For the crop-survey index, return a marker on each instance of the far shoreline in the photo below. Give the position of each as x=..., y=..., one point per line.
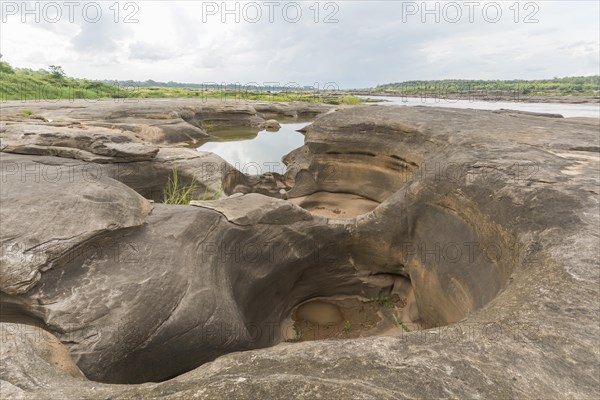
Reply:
x=490, y=98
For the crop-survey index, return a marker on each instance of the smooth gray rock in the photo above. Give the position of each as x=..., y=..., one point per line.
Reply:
x=291, y=109
x=50, y=208
x=73, y=141
x=33, y=359
x=254, y=209
x=163, y=122
x=492, y=216
x=149, y=178
x=272, y=125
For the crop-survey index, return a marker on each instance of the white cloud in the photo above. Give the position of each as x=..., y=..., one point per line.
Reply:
x=369, y=45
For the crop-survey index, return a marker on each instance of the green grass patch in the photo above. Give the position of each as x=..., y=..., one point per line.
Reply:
x=176, y=192
x=179, y=193
x=347, y=100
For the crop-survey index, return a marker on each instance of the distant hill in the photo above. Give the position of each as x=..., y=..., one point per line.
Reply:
x=206, y=85
x=28, y=84
x=568, y=86
x=53, y=84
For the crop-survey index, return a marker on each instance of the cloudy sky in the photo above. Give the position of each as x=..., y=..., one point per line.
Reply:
x=352, y=43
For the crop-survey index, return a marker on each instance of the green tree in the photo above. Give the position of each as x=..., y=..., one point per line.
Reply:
x=56, y=71
x=5, y=68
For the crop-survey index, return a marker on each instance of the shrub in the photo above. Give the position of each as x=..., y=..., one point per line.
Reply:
x=351, y=100
x=5, y=68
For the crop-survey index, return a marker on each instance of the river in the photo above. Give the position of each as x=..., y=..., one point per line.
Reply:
x=566, y=110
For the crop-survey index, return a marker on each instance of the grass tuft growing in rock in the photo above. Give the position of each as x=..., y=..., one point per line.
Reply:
x=176, y=192
x=212, y=196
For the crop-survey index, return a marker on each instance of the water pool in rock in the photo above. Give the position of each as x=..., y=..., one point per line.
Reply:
x=256, y=152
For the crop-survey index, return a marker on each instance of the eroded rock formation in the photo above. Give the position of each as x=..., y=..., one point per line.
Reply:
x=489, y=221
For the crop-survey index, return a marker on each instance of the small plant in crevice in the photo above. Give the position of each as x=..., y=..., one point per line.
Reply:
x=382, y=301
x=27, y=113
x=216, y=195
x=298, y=333
x=347, y=327
x=177, y=192
x=399, y=321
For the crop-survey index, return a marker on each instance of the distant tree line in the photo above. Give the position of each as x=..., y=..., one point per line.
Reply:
x=25, y=83
x=573, y=85
x=53, y=84
x=206, y=85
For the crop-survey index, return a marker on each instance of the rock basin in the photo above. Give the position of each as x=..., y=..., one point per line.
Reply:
x=487, y=221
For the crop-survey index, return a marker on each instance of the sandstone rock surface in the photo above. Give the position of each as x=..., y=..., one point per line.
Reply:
x=492, y=217
x=163, y=122
x=272, y=125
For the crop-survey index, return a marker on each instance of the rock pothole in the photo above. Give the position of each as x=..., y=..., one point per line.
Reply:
x=335, y=205
x=347, y=318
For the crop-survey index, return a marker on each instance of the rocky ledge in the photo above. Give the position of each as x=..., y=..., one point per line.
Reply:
x=91, y=126
x=479, y=228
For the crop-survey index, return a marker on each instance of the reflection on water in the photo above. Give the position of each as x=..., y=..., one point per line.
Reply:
x=256, y=152
x=566, y=110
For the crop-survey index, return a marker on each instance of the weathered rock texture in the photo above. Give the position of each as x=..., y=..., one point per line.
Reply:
x=133, y=139
x=44, y=219
x=126, y=121
x=492, y=216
